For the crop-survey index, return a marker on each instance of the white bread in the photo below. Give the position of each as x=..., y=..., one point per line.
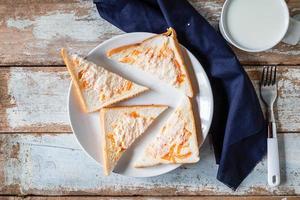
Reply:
x=176, y=142
x=159, y=55
x=121, y=126
x=97, y=87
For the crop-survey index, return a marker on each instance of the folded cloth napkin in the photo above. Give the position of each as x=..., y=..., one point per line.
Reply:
x=238, y=128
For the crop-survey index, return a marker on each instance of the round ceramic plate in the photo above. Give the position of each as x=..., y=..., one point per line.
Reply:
x=86, y=126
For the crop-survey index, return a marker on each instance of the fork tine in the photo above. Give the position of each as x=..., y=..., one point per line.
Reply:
x=266, y=76
x=274, y=75
x=269, y=75
x=262, y=81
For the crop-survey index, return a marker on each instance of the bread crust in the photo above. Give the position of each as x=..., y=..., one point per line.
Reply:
x=109, y=103
x=192, y=118
x=173, y=35
x=119, y=49
x=70, y=68
x=103, y=141
x=134, y=106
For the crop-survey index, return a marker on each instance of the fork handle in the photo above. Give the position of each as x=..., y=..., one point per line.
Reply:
x=273, y=156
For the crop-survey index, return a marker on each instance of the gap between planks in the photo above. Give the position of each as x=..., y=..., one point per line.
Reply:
x=150, y=197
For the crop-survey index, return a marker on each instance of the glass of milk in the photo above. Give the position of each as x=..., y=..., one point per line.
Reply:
x=254, y=25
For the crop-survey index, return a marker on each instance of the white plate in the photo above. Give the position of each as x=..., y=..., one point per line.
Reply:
x=86, y=127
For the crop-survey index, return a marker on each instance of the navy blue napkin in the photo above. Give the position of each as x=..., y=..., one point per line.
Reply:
x=238, y=128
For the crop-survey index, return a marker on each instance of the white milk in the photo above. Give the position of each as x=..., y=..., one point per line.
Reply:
x=256, y=24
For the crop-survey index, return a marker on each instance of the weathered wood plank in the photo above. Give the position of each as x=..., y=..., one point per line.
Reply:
x=154, y=198
x=50, y=164
x=287, y=104
x=35, y=99
x=33, y=31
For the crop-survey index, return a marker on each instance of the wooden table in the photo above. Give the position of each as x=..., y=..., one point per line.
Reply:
x=39, y=155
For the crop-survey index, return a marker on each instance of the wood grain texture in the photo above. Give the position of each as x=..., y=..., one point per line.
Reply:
x=154, y=198
x=33, y=31
x=35, y=99
x=33, y=164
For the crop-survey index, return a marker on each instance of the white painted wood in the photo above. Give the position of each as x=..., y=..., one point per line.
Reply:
x=36, y=99
x=41, y=97
x=287, y=104
x=152, y=198
x=55, y=164
x=32, y=33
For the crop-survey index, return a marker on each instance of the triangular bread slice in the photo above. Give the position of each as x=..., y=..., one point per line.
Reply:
x=97, y=87
x=176, y=142
x=159, y=55
x=121, y=126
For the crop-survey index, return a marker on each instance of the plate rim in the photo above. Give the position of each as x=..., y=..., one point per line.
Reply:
x=209, y=122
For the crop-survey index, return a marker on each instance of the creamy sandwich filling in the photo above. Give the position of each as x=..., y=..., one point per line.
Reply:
x=125, y=130
x=152, y=54
x=98, y=80
x=172, y=144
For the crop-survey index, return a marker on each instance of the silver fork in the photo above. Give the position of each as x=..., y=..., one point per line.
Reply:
x=268, y=91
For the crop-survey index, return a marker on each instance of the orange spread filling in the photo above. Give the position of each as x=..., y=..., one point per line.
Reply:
x=136, y=52
x=164, y=51
x=187, y=134
x=134, y=114
x=127, y=59
x=151, y=54
x=147, y=50
x=80, y=74
x=102, y=96
x=122, y=148
x=118, y=149
x=127, y=86
x=172, y=155
x=180, y=77
x=179, y=148
x=184, y=156
x=84, y=84
x=76, y=62
x=110, y=136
